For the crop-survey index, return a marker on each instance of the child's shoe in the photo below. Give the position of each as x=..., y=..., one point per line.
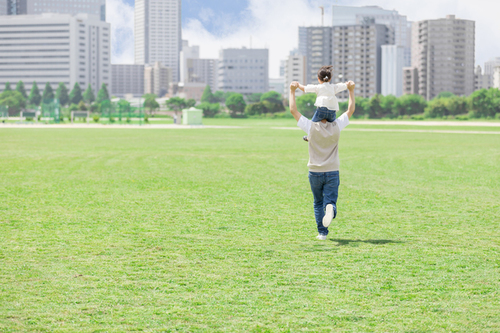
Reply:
x=305, y=138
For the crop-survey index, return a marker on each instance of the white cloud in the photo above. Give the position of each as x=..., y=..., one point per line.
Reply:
x=121, y=18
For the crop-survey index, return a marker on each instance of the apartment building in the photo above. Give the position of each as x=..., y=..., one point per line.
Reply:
x=410, y=81
x=357, y=56
x=315, y=43
x=157, y=79
x=295, y=70
x=244, y=71
x=127, y=80
x=55, y=48
x=445, y=56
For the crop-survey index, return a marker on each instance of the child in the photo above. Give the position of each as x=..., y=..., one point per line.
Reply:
x=326, y=102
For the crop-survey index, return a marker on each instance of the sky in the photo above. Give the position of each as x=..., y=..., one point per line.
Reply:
x=273, y=24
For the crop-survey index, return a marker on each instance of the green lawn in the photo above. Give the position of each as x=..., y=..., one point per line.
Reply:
x=212, y=230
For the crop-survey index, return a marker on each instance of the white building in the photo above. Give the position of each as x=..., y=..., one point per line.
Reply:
x=392, y=70
x=127, y=80
x=349, y=15
x=245, y=71
x=55, y=48
x=157, y=79
x=157, y=33
x=295, y=70
x=73, y=7
x=482, y=81
x=489, y=66
x=187, y=52
x=496, y=77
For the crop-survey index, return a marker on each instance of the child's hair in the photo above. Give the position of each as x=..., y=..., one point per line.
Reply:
x=325, y=73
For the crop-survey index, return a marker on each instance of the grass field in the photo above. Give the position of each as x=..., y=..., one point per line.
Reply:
x=212, y=230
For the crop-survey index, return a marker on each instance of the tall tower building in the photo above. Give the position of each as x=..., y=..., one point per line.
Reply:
x=55, y=48
x=158, y=35
x=445, y=56
x=73, y=7
x=315, y=43
x=295, y=70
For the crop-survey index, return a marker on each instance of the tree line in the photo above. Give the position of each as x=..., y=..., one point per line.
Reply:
x=240, y=106
x=484, y=103
x=18, y=99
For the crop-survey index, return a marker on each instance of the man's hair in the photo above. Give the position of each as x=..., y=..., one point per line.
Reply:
x=325, y=73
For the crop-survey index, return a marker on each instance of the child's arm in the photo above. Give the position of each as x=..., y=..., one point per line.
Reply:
x=352, y=101
x=340, y=87
x=301, y=87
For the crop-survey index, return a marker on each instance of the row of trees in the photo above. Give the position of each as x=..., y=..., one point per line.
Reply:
x=18, y=98
x=238, y=105
x=483, y=103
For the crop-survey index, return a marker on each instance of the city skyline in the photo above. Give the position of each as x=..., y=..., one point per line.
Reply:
x=214, y=25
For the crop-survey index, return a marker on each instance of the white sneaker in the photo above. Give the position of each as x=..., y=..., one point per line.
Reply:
x=321, y=237
x=327, y=219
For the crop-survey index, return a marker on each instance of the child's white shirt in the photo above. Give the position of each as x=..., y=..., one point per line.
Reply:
x=326, y=94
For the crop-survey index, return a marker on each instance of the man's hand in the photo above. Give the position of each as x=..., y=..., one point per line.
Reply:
x=351, y=85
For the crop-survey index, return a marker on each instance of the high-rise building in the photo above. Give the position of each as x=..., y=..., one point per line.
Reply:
x=244, y=71
x=357, y=56
x=482, y=81
x=445, y=56
x=392, y=70
x=127, y=79
x=295, y=70
x=157, y=33
x=55, y=48
x=490, y=65
x=410, y=81
x=350, y=15
x=157, y=79
x=73, y=7
x=315, y=43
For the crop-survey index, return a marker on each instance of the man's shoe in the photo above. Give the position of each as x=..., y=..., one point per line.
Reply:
x=327, y=219
x=321, y=237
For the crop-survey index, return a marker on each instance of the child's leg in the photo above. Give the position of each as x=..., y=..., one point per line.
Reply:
x=331, y=115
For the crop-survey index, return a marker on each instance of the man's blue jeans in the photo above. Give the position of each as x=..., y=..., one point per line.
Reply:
x=325, y=189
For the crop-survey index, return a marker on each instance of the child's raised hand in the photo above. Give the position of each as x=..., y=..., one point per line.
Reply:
x=294, y=85
x=351, y=85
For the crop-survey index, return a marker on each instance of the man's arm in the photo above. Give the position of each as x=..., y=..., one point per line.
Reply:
x=293, y=106
x=352, y=101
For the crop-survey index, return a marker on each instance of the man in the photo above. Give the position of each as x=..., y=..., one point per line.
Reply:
x=324, y=162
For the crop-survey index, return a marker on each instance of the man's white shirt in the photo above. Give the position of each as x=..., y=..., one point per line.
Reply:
x=305, y=124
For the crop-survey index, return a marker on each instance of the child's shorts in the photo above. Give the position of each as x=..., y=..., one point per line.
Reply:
x=324, y=113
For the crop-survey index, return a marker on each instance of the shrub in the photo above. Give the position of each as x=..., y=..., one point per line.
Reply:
x=111, y=119
x=146, y=119
x=255, y=109
x=417, y=117
x=96, y=118
x=128, y=120
x=209, y=109
x=29, y=119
